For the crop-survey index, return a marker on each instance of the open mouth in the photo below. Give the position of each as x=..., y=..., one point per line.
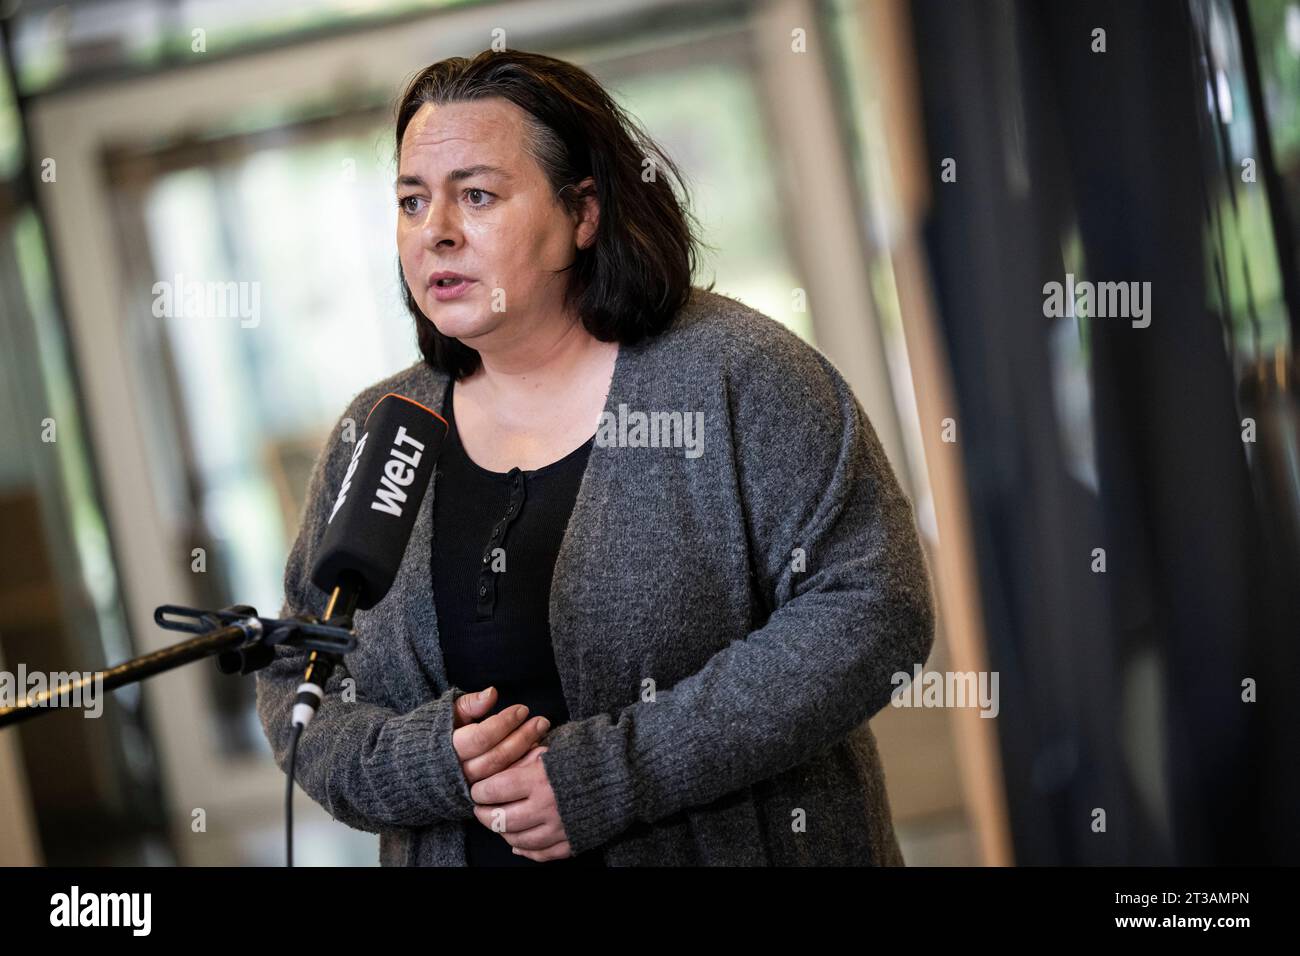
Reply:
x=447, y=283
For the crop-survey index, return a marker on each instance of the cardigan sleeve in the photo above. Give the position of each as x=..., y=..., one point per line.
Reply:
x=369, y=766
x=851, y=607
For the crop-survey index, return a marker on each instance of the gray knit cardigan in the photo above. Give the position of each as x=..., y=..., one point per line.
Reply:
x=725, y=621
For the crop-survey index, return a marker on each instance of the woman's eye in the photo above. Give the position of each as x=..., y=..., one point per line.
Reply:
x=478, y=198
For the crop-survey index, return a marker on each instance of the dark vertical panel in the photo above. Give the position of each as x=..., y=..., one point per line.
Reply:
x=1046, y=132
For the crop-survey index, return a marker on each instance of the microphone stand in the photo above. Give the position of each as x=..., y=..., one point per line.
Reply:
x=242, y=641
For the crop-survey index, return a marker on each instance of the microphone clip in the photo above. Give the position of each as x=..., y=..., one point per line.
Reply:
x=262, y=634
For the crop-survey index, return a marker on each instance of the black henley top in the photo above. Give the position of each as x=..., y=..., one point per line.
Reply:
x=495, y=541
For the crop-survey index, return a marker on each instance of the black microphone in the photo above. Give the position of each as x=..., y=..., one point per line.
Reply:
x=370, y=522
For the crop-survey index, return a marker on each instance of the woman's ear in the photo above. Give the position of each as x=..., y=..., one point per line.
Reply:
x=588, y=219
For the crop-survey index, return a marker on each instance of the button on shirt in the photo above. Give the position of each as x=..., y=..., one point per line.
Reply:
x=495, y=541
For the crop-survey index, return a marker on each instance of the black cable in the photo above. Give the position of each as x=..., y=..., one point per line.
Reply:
x=288, y=795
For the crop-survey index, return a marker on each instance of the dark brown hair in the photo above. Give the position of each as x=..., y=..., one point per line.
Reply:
x=631, y=281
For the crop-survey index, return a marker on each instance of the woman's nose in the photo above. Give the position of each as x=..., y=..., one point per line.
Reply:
x=440, y=225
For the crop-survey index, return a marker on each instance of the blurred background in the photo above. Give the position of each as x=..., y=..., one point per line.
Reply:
x=1111, y=512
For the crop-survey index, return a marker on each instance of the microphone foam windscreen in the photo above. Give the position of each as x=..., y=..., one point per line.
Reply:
x=371, y=519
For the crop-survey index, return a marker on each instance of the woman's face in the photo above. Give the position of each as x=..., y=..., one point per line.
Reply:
x=471, y=200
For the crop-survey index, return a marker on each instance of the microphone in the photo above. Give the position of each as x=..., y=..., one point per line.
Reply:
x=370, y=523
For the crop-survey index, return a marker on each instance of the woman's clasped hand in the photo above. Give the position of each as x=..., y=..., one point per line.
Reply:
x=501, y=760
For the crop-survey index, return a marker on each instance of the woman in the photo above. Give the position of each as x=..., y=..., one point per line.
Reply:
x=662, y=528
